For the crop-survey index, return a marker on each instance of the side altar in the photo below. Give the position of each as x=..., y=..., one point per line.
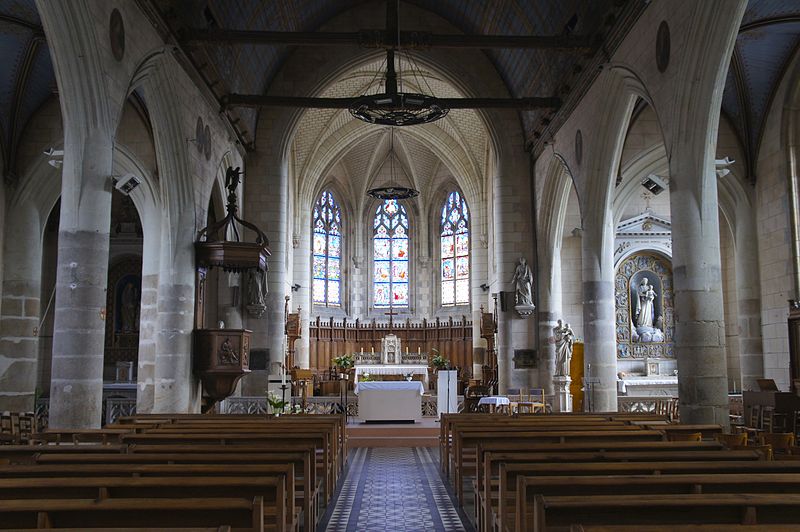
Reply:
x=392, y=361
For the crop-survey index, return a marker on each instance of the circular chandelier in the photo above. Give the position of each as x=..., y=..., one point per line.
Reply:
x=395, y=193
x=393, y=108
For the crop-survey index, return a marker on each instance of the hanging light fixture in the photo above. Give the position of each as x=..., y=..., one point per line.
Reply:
x=395, y=192
x=392, y=107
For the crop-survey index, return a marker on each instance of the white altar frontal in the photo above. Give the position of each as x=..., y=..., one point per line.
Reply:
x=389, y=401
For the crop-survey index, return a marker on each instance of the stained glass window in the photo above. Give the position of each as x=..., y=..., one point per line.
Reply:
x=326, y=271
x=390, y=254
x=455, y=251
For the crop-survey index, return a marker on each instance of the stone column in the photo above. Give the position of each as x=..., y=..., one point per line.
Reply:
x=549, y=312
x=303, y=296
x=148, y=325
x=599, y=325
x=175, y=387
x=76, y=388
x=20, y=311
x=699, y=312
x=267, y=171
x=748, y=285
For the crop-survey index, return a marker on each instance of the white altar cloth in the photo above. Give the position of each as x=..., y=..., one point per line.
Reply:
x=495, y=400
x=392, y=369
x=656, y=385
x=389, y=401
x=390, y=386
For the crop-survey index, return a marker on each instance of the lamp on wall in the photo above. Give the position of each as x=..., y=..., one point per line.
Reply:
x=295, y=287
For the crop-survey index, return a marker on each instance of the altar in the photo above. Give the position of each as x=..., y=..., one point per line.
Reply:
x=389, y=401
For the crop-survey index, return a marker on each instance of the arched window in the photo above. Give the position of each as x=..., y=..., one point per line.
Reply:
x=455, y=251
x=390, y=254
x=327, y=251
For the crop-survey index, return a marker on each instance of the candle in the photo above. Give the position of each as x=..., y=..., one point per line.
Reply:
x=372, y=350
x=406, y=349
x=362, y=350
x=419, y=350
x=283, y=379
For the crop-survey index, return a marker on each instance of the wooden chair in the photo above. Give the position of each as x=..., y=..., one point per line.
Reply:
x=679, y=436
x=781, y=442
x=533, y=402
x=732, y=440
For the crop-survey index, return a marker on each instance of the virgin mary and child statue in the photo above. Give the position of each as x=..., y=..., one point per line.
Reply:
x=644, y=331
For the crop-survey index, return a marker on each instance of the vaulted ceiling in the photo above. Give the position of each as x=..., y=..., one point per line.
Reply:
x=26, y=73
x=768, y=39
x=250, y=69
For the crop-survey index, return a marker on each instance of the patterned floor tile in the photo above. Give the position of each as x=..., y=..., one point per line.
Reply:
x=393, y=489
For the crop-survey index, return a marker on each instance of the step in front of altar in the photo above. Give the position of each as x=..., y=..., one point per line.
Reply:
x=392, y=435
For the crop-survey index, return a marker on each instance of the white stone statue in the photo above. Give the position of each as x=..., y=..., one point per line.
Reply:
x=523, y=280
x=564, y=338
x=644, y=306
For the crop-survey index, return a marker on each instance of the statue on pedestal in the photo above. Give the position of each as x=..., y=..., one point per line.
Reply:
x=523, y=283
x=564, y=338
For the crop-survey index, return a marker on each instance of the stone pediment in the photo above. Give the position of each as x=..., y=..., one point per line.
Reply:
x=646, y=224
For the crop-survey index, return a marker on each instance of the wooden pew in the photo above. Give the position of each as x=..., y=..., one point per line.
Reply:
x=577, y=486
x=517, y=451
x=498, y=496
x=559, y=512
x=239, y=513
x=457, y=430
x=266, y=439
x=200, y=471
x=271, y=489
x=472, y=439
x=307, y=489
x=516, y=473
x=683, y=528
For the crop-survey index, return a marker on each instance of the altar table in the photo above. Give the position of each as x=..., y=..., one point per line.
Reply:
x=390, y=401
x=392, y=369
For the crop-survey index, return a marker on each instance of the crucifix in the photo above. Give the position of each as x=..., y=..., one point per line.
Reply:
x=391, y=313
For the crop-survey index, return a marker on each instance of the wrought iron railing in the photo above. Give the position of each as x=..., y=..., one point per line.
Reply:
x=667, y=406
x=315, y=405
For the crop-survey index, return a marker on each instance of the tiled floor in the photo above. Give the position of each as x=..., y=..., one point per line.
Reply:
x=393, y=489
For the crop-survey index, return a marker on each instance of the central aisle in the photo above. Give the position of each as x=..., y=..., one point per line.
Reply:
x=394, y=489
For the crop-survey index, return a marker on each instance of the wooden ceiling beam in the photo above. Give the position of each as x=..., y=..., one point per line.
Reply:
x=253, y=100
x=383, y=39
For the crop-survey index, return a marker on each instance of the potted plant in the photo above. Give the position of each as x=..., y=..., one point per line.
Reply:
x=344, y=362
x=438, y=361
x=276, y=404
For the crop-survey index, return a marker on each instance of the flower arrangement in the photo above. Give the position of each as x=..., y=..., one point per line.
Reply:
x=276, y=404
x=344, y=361
x=365, y=377
x=439, y=361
